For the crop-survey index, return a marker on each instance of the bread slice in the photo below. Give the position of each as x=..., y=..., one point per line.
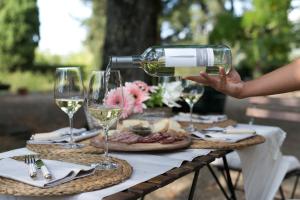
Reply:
x=174, y=125
x=160, y=126
x=135, y=122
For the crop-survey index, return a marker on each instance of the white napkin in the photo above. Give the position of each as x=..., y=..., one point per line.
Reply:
x=230, y=134
x=62, y=135
x=207, y=119
x=230, y=130
x=61, y=172
x=56, y=134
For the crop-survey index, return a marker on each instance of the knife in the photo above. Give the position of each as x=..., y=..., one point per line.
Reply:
x=230, y=131
x=41, y=165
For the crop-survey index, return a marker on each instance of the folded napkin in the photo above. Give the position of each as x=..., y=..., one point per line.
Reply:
x=230, y=135
x=56, y=134
x=62, y=135
x=229, y=130
x=208, y=119
x=61, y=172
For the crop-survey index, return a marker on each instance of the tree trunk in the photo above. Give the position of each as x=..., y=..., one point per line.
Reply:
x=131, y=27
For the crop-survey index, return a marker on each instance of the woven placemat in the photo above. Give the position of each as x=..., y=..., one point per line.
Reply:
x=57, y=149
x=222, y=124
x=203, y=144
x=100, y=179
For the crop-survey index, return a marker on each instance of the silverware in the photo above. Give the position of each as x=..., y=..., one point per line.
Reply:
x=41, y=165
x=214, y=130
x=30, y=161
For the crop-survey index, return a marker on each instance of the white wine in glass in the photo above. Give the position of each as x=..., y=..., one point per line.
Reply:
x=106, y=116
x=105, y=103
x=192, y=92
x=69, y=96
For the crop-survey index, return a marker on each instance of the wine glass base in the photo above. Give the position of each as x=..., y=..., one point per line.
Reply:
x=73, y=146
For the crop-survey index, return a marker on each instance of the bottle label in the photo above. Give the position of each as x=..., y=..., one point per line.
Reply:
x=189, y=57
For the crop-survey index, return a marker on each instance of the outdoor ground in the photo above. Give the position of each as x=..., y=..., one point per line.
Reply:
x=22, y=115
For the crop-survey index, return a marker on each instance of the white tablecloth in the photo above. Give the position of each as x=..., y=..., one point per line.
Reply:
x=145, y=167
x=263, y=166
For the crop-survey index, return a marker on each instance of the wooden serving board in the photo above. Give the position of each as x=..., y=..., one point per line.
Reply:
x=118, y=146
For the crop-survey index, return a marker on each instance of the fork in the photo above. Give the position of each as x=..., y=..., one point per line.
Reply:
x=30, y=161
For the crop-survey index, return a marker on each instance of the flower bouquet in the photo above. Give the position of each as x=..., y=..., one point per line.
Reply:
x=139, y=96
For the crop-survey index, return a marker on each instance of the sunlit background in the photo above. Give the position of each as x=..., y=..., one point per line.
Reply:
x=72, y=32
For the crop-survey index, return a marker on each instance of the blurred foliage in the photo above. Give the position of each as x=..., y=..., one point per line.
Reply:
x=156, y=98
x=19, y=35
x=48, y=62
x=29, y=80
x=259, y=33
x=96, y=27
x=260, y=37
x=264, y=34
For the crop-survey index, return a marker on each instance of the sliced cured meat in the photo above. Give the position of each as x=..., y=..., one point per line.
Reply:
x=129, y=137
x=168, y=140
x=124, y=137
x=154, y=137
x=131, y=140
x=119, y=136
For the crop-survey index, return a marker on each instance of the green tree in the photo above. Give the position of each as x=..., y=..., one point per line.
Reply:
x=263, y=34
x=96, y=27
x=19, y=33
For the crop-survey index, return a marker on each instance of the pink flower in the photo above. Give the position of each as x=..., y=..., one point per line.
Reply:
x=125, y=101
x=139, y=96
x=142, y=85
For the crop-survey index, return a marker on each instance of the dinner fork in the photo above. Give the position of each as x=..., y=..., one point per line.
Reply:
x=30, y=161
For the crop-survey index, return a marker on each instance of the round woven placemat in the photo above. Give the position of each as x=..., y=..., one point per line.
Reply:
x=100, y=179
x=203, y=144
x=57, y=149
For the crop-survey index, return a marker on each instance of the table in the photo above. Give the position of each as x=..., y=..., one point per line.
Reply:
x=140, y=190
x=150, y=184
x=172, y=170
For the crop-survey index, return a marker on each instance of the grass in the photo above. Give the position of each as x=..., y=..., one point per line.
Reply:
x=33, y=82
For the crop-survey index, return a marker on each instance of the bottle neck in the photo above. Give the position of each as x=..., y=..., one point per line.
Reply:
x=125, y=62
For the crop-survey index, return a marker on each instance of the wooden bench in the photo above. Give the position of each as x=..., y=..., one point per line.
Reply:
x=280, y=108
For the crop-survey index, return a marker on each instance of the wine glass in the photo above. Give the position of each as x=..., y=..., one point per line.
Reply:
x=105, y=103
x=69, y=96
x=191, y=94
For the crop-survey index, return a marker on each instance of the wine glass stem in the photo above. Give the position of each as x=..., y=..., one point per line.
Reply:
x=106, y=144
x=71, y=129
x=191, y=116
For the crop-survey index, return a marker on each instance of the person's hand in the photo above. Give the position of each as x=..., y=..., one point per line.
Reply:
x=230, y=84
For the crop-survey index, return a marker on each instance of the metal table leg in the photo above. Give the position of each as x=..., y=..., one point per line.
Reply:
x=218, y=182
x=195, y=179
x=229, y=182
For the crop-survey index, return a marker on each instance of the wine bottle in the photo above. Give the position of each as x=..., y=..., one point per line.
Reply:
x=178, y=60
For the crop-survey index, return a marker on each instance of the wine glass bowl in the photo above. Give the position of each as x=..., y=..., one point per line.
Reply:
x=105, y=103
x=191, y=94
x=69, y=96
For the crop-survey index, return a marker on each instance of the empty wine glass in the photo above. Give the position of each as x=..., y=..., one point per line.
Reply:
x=105, y=103
x=69, y=96
x=191, y=94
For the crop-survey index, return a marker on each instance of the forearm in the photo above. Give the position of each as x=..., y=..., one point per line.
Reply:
x=284, y=79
